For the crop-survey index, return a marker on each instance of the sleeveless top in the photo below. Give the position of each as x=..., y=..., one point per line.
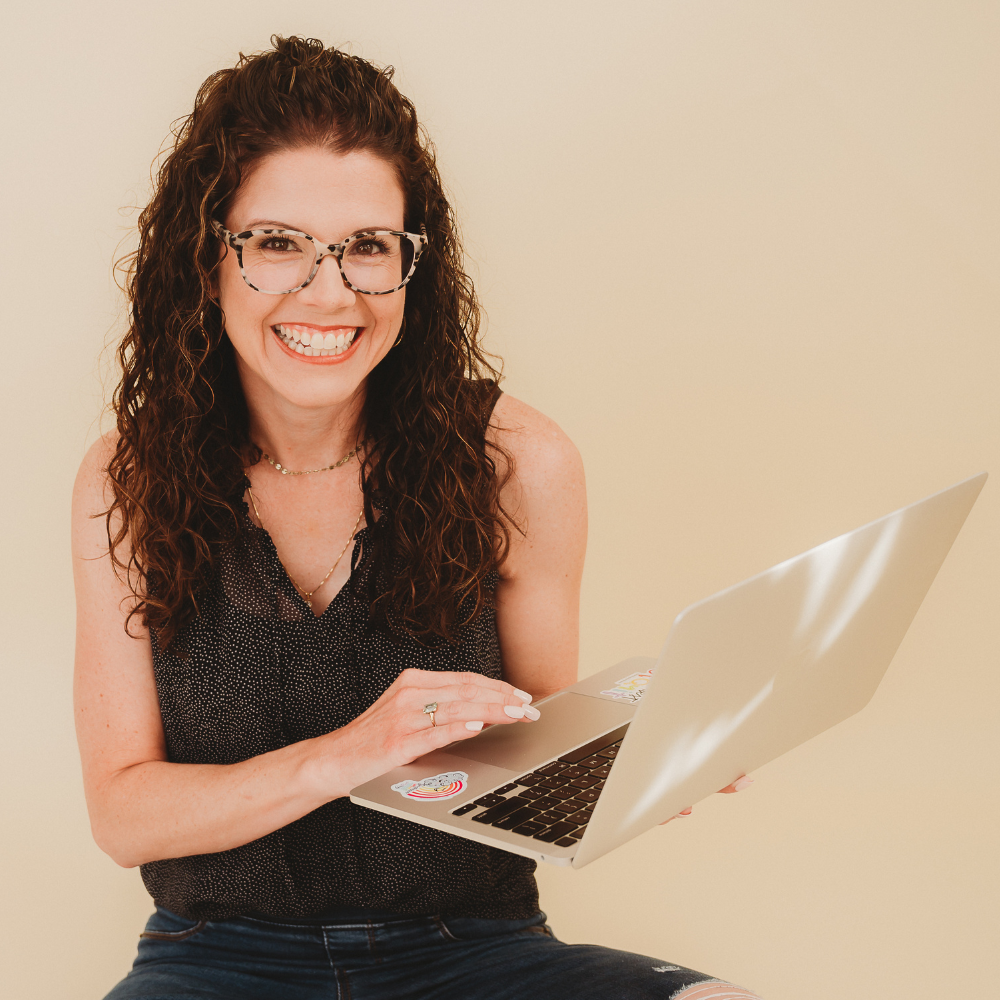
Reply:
x=257, y=671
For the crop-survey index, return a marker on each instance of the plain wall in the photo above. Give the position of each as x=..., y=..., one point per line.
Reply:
x=747, y=255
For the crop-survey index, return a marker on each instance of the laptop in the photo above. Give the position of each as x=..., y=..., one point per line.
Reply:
x=744, y=676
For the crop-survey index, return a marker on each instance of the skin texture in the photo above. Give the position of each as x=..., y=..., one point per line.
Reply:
x=305, y=415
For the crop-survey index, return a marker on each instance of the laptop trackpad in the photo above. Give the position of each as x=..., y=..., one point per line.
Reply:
x=568, y=720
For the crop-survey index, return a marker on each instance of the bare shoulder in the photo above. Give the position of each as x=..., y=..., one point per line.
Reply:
x=542, y=453
x=92, y=496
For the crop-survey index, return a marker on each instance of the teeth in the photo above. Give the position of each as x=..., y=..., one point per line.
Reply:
x=315, y=344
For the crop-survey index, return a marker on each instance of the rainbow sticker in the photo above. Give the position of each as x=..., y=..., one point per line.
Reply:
x=631, y=688
x=446, y=785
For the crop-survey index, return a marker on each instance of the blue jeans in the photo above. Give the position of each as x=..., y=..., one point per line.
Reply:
x=412, y=958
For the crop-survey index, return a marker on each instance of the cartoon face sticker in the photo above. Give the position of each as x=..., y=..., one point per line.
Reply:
x=446, y=785
x=630, y=688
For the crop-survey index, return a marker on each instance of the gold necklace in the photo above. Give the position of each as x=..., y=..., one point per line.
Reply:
x=307, y=594
x=309, y=472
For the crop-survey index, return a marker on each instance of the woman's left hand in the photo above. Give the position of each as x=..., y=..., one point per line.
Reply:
x=737, y=786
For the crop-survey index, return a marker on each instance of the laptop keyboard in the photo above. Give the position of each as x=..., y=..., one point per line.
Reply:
x=552, y=804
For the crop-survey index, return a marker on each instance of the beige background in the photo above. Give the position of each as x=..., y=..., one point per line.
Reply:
x=747, y=255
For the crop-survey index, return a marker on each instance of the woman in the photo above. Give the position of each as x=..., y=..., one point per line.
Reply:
x=320, y=544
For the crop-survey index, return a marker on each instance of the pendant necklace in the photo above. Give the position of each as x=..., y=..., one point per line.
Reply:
x=307, y=594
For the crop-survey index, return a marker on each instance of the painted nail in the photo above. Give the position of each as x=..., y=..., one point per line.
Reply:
x=531, y=713
x=742, y=783
x=514, y=711
x=523, y=695
x=474, y=726
x=685, y=812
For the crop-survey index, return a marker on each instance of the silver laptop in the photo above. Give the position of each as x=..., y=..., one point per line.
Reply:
x=745, y=676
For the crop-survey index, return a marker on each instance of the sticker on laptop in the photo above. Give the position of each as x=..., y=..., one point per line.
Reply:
x=631, y=688
x=446, y=785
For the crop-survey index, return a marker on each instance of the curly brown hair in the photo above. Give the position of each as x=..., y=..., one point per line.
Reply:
x=432, y=493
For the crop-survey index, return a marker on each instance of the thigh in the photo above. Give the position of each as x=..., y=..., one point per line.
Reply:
x=181, y=959
x=531, y=963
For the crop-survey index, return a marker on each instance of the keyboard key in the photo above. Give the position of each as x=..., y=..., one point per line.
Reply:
x=504, y=789
x=566, y=842
x=585, y=782
x=588, y=796
x=533, y=793
x=551, y=769
x=554, y=832
x=565, y=793
x=582, y=817
x=610, y=753
x=594, y=761
x=490, y=800
x=567, y=807
x=527, y=779
x=462, y=810
x=577, y=834
x=516, y=818
x=530, y=828
x=552, y=816
x=598, y=786
x=574, y=772
x=552, y=783
x=546, y=802
x=499, y=811
x=597, y=772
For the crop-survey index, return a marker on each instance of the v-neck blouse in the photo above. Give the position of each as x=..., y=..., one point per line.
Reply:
x=257, y=671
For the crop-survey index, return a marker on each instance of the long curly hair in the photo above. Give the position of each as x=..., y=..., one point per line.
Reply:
x=432, y=491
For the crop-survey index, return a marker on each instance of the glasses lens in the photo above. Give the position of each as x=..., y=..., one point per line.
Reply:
x=277, y=262
x=378, y=263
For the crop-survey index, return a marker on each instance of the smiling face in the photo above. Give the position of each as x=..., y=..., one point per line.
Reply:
x=330, y=196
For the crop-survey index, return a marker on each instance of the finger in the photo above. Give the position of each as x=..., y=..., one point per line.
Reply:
x=738, y=785
x=493, y=713
x=471, y=693
x=444, y=678
x=440, y=736
x=683, y=812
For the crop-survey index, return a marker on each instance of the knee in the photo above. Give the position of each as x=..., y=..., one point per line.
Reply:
x=714, y=991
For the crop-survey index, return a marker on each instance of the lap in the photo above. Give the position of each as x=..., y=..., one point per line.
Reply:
x=425, y=958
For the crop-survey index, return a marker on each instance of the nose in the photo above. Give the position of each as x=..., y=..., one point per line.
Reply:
x=328, y=288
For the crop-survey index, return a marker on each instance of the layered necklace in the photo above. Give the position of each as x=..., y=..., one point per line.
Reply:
x=307, y=594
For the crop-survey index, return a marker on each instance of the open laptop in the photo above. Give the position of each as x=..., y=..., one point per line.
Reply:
x=745, y=676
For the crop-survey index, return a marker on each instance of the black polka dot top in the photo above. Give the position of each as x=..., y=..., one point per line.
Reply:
x=261, y=671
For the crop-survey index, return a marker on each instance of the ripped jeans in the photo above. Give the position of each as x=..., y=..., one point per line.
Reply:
x=394, y=958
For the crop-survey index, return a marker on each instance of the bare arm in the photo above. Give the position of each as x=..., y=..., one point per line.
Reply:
x=144, y=807
x=538, y=598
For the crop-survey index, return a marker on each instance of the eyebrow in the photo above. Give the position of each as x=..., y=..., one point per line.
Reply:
x=273, y=223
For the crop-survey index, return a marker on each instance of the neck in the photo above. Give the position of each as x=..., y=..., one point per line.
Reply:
x=303, y=437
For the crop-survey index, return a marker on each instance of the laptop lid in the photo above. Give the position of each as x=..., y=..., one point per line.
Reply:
x=757, y=669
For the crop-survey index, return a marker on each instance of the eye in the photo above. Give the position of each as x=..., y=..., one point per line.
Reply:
x=279, y=244
x=370, y=246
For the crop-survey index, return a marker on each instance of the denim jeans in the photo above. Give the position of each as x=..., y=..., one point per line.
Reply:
x=394, y=958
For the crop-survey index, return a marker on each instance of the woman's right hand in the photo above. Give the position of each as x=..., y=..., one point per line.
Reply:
x=396, y=730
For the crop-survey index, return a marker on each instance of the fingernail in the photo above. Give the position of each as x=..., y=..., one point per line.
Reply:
x=523, y=695
x=474, y=726
x=531, y=713
x=514, y=711
x=685, y=812
x=742, y=783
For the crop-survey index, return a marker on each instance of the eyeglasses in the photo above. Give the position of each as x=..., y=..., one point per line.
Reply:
x=281, y=261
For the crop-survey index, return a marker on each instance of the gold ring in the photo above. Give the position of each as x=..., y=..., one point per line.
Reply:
x=430, y=709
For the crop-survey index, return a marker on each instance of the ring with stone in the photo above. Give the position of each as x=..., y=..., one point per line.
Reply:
x=430, y=709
